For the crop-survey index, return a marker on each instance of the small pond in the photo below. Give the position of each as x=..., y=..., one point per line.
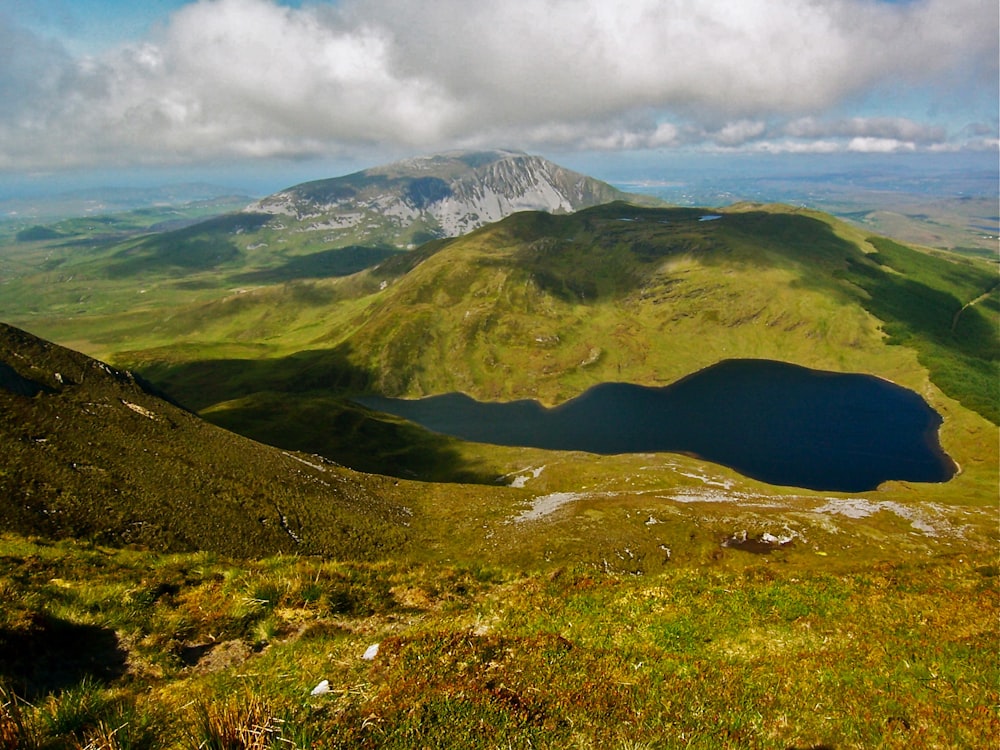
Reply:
x=779, y=423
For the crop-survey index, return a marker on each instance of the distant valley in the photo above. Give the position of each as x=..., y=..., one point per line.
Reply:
x=925, y=202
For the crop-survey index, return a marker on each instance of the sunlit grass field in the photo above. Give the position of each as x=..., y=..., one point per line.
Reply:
x=117, y=648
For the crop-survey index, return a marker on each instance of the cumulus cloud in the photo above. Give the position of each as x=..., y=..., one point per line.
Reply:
x=738, y=133
x=256, y=78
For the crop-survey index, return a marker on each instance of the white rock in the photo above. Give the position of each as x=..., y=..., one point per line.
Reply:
x=371, y=652
x=322, y=687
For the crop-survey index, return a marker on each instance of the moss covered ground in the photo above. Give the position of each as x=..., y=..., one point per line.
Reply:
x=118, y=648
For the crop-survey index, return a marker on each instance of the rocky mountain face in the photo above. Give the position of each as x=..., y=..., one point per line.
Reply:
x=445, y=195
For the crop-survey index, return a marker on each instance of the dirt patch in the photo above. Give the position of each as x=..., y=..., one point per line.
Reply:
x=204, y=658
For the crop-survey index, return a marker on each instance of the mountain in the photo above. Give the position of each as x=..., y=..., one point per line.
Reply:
x=543, y=306
x=322, y=229
x=90, y=451
x=444, y=195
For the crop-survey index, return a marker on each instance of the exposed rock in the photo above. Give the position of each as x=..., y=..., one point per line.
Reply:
x=446, y=195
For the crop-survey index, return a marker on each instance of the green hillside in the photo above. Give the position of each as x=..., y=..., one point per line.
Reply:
x=91, y=452
x=541, y=306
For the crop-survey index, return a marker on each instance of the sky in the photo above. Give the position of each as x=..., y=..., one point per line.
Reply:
x=244, y=90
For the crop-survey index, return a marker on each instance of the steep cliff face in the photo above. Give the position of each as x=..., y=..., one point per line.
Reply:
x=515, y=183
x=444, y=195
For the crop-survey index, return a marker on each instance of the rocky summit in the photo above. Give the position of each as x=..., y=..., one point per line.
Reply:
x=428, y=197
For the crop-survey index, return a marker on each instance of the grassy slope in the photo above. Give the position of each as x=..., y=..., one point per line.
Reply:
x=197, y=650
x=521, y=310
x=93, y=454
x=545, y=306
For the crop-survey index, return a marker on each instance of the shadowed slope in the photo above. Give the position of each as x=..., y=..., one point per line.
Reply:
x=91, y=453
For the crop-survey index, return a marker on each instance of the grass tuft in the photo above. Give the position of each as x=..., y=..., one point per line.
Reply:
x=16, y=730
x=235, y=722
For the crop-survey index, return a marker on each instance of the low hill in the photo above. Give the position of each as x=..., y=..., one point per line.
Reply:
x=90, y=451
x=544, y=306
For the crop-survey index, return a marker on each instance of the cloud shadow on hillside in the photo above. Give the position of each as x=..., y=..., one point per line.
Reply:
x=301, y=402
x=333, y=263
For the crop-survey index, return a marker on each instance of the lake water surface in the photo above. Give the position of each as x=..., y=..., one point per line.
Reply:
x=780, y=423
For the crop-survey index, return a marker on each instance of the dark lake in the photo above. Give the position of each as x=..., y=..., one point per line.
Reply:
x=779, y=423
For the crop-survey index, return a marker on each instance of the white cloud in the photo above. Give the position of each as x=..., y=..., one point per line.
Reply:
x=740, y=132
x=870, y=145
x=236, y=78
x=799, y=147
x=630, y=135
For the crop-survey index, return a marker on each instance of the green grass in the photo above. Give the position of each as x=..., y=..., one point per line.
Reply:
x=764, y=655
x=947, y=312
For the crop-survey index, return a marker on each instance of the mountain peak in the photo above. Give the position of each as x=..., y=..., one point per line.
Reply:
x=438, y=195
x=470, y=158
